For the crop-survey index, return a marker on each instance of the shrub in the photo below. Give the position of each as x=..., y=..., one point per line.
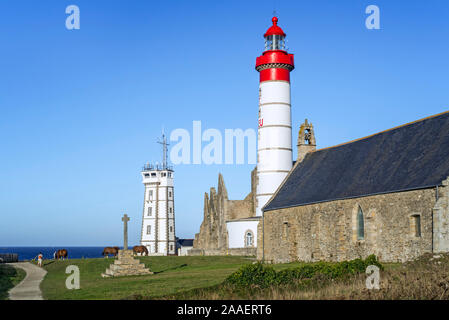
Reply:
x=256, y=274
x=261, y=275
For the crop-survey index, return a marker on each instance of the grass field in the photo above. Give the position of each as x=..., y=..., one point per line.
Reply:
x=9, y=277
x=202, y=277
x=426, y=278
x=172, y=275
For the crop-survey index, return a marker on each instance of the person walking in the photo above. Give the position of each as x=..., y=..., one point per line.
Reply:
x=40, y=257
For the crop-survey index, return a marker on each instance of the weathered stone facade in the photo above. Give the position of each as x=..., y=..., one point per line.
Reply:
x=218, y=209
x=223, y=252
x=328, y=230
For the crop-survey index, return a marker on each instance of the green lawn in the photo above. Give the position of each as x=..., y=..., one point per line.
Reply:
x=172, y=275
x=9, y=278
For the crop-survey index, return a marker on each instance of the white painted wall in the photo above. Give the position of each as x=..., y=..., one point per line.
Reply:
x=237, y=233
x=183, y=250
x=160, y=183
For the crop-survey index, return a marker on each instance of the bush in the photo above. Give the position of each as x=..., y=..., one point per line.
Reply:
x=256, y=274
x=262, y=276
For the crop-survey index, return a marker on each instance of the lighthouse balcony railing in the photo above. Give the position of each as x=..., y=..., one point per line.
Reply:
x=156, y=167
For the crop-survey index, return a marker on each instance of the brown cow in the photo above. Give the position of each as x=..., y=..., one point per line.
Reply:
x=62, y=253
x=110, y=250
x=140, y=249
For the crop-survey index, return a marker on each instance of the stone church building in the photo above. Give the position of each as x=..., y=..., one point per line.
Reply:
x=386, y=194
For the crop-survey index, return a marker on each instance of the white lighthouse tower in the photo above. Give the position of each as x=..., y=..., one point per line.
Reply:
x=158, y=219
x=274, y=151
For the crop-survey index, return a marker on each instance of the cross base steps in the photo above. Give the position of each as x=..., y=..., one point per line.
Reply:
x=126, y=265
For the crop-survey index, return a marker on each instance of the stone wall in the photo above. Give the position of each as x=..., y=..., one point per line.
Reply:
x=328, y=231
x=441, y=219
x=217, y=210
x=226, y=252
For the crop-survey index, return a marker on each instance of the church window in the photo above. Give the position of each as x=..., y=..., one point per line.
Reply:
x=171, y=229
x=415, y=224
x=153, y=174
x=148, y=229
x=360, y=225
x=150, y=194
x=171, y=210
x=249, y=239
x=169, y=194
x=150, y=211
x=171, y=247
x=285, y=231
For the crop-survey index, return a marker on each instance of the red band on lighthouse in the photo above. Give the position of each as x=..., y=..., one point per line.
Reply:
x=272, y=74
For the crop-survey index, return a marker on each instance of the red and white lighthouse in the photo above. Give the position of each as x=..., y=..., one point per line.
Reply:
x=274, y=153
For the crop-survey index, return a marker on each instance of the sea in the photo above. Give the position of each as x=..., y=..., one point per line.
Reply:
x=29, y=253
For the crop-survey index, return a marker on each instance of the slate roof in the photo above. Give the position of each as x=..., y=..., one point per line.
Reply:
x=185, y=242
x=412, y=156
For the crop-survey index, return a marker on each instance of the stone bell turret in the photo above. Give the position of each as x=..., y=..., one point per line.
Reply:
x=306, y=140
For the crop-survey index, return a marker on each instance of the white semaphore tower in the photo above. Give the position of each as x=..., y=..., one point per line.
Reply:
x=158, y=219
x=274, y=153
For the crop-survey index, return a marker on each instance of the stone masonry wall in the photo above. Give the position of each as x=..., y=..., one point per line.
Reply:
x=227, y=252
x=441, y=219
x=328, y=231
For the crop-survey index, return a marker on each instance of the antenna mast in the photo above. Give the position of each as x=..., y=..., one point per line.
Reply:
x=164, y=144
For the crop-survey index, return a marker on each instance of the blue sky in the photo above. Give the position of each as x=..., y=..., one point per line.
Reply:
x=80, y=110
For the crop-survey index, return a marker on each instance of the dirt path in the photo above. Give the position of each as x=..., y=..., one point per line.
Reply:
x=28, y=289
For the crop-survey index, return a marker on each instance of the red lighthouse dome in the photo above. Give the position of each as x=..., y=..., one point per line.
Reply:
x=274, y=29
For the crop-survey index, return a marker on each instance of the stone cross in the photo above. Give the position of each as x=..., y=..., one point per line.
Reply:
x=125, y=220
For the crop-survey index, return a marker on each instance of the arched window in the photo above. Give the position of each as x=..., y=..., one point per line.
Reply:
x=249, y=239
x=360, y=225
